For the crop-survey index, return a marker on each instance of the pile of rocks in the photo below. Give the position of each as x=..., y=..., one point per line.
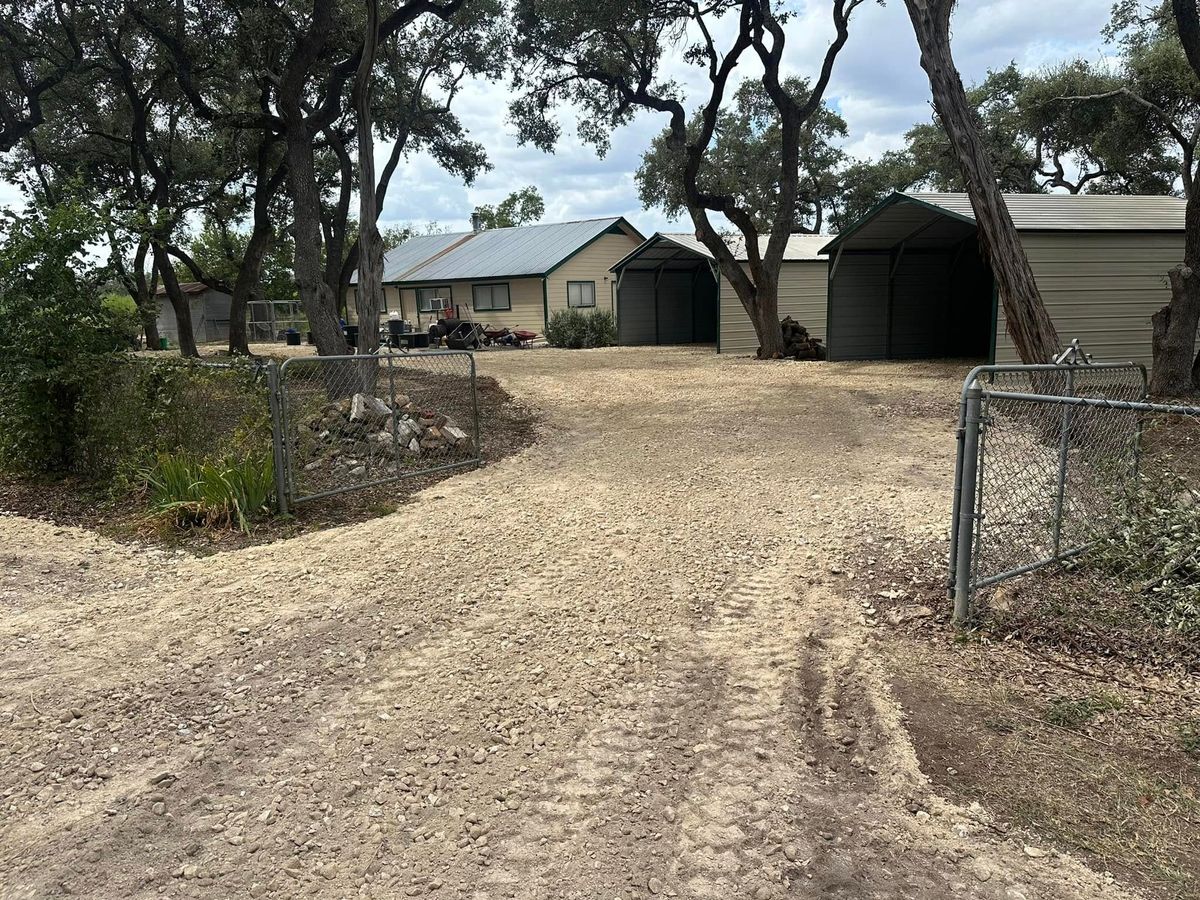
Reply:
x=361, y=432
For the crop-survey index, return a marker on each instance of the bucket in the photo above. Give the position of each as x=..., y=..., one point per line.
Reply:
x=164, y=343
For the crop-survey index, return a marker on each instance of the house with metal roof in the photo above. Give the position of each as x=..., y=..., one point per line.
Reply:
x=669, y=291
x=908, y=280
x=506, y=277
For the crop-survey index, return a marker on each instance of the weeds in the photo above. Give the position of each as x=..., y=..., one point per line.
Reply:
x=226, y=493
x=1189, y=737
x=1075, y=714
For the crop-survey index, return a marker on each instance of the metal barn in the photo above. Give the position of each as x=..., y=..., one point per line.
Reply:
x=908, y=281
x=669, y=291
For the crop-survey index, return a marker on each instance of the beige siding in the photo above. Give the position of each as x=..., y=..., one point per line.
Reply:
x=590, y=264
x=803, y=295
x=524, y=294
x=1100, y=288
x=391, y=295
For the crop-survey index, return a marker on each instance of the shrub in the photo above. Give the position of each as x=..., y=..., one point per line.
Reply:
x=574, y=330
x=54, y=332
x=1154, y=547
x=226, y=493
x=601, y=329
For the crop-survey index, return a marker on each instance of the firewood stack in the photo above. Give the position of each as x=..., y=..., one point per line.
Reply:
x=798, y=343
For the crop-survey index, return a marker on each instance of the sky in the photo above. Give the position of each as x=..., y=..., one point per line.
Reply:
x=878, y=87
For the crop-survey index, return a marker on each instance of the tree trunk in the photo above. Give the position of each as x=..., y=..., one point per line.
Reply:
x=368, y=299
x=1174, y=336
x=179, y=302
x=1028, y=323
x=316, y=297
x=144, y=296
x=765, y=318
x=249, y=274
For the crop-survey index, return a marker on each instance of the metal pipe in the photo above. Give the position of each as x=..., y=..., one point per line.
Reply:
x=972, y=422
x=1064, y=445
x=277, y=436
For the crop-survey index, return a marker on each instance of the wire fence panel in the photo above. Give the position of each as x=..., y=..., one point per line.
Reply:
x=1047, y=456
x=353, y=422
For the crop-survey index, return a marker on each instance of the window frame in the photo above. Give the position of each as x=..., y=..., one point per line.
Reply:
x=436, y=296
x=591, y=305
x=491, y=284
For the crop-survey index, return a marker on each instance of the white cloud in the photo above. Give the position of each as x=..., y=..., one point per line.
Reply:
x=877, y=85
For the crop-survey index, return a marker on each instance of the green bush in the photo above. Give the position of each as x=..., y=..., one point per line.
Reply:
x=122, y=313
x=574, y=330
x=225, y=493
x=1155, y=548
x=601, y=329
x=54, y=332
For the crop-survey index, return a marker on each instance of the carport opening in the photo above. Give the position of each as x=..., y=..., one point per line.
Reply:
x=909, y=282
x=666, y=294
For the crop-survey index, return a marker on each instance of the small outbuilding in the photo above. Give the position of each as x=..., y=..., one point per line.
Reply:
x=669, y=291
x=209, y=309
x=908, y=281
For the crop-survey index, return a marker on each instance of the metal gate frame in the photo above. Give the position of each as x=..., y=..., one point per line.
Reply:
x=973, y=420
x=285, y=481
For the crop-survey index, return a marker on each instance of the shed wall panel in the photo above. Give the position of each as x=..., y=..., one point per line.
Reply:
x=803, y=295
x=675, y=308
x=1100, y=288
x=635, y=309
x=858, y=328
x=919, y=305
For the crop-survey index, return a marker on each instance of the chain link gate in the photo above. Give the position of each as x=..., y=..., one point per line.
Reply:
x=347, y=423
x=1045, y=453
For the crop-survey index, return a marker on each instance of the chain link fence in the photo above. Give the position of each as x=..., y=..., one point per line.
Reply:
x=1054, y=459
x=351, y=422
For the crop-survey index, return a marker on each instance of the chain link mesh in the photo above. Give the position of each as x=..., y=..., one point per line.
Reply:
x=356, y=422
x=1057, y=476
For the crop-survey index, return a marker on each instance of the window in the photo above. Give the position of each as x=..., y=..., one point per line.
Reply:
x=490, y=297
x=581, y=293
x=430, y=299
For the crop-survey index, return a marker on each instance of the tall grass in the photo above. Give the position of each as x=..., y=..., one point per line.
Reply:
x=223, y=493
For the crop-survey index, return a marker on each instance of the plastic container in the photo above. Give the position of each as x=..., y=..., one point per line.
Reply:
x=293, y=337
x=164, y=343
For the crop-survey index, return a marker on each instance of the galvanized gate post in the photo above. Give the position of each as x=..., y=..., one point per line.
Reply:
x=274, y=400
x=1064, y=446
x=966, y=494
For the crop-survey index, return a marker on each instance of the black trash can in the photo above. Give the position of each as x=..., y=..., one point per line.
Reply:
x=312, y=340
x=351, y=332
x=293, y=337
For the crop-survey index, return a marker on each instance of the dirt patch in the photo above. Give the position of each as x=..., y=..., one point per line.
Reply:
x=506, y=427
x=1092, y=766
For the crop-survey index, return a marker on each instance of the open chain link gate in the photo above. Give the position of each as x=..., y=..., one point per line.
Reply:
x=1046, y=454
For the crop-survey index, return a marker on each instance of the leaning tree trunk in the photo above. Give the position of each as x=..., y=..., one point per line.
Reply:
x=245, y=285
x=368, y=299
x=1028, y=323
x=179, y=303
x=1174, y=337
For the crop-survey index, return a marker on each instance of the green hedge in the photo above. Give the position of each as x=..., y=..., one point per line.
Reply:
x=575, y=330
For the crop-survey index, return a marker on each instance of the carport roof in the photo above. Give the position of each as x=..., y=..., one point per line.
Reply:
x=932, y=219
x=661, y=248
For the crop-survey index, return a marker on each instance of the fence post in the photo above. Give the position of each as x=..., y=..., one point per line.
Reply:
x=965, y=513
x=1064, y=446
x=274, y=398
x=395, y=414
x=475, y=409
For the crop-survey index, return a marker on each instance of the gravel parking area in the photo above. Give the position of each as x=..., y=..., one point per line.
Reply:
x=625, y=662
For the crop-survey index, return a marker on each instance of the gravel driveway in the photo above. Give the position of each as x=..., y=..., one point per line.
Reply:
x=626, y=662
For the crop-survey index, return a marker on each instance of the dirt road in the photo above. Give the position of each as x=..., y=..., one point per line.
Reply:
x=627, y=662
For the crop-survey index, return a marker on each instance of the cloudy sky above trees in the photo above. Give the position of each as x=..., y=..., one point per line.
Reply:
x=878, y=87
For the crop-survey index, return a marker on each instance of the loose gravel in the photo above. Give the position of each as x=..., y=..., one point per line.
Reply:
x=628, y=661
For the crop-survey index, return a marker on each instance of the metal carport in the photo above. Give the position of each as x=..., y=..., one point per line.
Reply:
x=667, y=292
